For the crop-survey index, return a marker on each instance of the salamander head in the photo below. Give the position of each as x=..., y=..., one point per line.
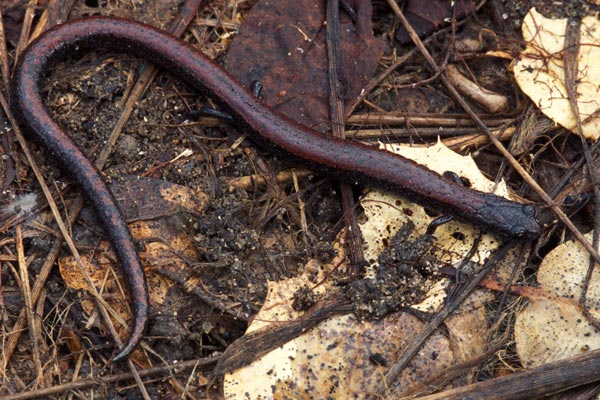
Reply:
x=525, y=226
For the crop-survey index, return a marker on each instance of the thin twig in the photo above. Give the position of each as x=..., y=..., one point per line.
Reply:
x=336, y=105
x=3, y=56
x=34, y=334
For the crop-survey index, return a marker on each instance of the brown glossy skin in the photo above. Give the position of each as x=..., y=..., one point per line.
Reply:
x=349, y=161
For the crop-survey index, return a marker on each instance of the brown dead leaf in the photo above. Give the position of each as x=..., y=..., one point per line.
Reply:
x=142, y=198
x=282, y=45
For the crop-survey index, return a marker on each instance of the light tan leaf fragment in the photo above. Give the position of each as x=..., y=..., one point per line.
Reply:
x=552, y=328
x=540, y=71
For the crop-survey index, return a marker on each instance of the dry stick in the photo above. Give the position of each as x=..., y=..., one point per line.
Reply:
x=571, y=173
x=4, y=56
x=25, y=29
x=3, y=317
x=38, y=313
x=192, y=379
x=337, y=126
x=408, y=132
x=26, y=288
x=420, y=119
x=462, y=142
x=93, y=382
x=442, y=377
x=505, y=153
x=146, y=77
x=248, y=182
x=301, y=207
x=373, y=83
x=531, y=383
x=253, y=345
x=517, y=265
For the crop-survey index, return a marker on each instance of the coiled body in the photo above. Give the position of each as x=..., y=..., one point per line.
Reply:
x=345, y=160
